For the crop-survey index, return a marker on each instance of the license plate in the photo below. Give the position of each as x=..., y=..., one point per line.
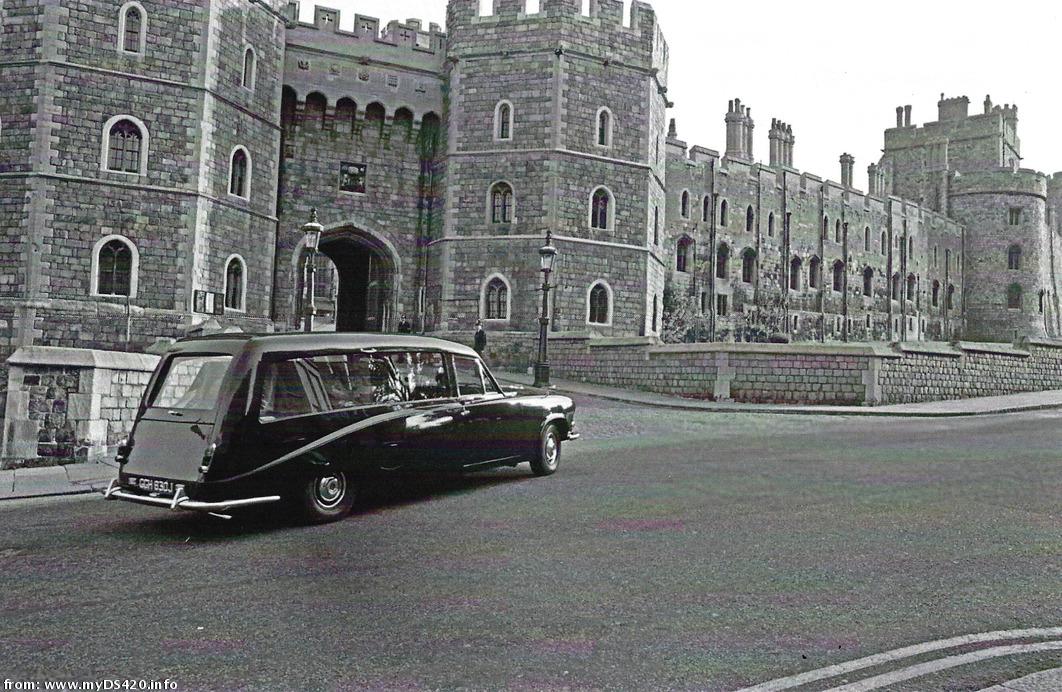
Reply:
x=152, y=485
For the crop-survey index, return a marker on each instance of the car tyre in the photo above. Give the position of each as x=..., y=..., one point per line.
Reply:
x=328, y=495
x=547, y=456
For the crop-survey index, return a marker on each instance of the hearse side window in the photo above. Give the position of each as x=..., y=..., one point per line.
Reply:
x=321, y=384
x=469, y=377
x=192, y=382
x=423, y=375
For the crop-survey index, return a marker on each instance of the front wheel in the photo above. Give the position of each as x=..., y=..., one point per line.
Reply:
x=327, y=495
x=547, y=457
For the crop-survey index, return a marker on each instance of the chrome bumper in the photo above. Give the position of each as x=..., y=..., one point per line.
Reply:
x=181, y=501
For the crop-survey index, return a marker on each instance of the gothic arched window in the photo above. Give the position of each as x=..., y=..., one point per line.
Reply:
x=794, y=274
x=748, y=266
x=132, y=27
x=248, y=68
x=125, y=141
x=604, y=128
x=235, y=276
x=240, y=173
x=814, y=272
x=115, y=260
x=682, y=254
x=722, y=261
x=496, y=299
x=501, y=203
x=503, y=121
x=599, y=309
x=601, y=209
x=838, y=276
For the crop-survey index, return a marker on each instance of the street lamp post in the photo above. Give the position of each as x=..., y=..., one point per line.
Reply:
x=312, y=232
x=547, y=254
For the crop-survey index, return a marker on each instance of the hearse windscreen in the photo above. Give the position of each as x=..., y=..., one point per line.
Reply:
x=192, y=382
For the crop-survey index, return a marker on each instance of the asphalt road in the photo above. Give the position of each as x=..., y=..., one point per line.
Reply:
x=672, y=550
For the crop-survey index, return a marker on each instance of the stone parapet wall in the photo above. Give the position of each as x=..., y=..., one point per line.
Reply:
x=68, y=405
x=827, y=374
x=969, y=370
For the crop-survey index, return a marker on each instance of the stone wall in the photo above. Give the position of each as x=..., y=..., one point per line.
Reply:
x=827, y=374
x=928, y=373
x=69, y=405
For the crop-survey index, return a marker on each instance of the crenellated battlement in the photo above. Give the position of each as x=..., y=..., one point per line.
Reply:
x=605, y=12
x=1001, y=181
x=409, y=34
x=561, y=24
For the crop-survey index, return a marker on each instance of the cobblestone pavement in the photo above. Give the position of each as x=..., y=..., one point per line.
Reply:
x=677, y=550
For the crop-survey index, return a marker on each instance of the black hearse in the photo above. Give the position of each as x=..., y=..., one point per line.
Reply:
x=233, y=421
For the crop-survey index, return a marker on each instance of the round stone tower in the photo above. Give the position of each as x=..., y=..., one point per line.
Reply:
x=1007, y=253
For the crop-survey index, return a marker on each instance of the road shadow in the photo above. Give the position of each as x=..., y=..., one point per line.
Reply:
x=376, y=495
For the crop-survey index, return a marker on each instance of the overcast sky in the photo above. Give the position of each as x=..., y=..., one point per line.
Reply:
x=836, y=71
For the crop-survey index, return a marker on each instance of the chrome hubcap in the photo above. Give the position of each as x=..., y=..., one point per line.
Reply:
x=550, y=451
x=329, y=490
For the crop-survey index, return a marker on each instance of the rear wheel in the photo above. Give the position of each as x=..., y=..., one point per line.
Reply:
x=547, y=457
x=326, y=496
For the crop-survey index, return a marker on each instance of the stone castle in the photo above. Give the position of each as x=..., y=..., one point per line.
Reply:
x=158, y=160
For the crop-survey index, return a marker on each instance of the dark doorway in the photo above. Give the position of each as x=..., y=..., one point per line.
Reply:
x=366, y=281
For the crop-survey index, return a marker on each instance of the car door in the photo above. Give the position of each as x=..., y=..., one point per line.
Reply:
x=483, y=428
x=424, y=439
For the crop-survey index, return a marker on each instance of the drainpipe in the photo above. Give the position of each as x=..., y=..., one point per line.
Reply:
x=785, y=252
x=711, y=255
x=844, y=277
x=889, y=273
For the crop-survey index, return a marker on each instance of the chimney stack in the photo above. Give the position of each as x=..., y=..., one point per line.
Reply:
x=749, y=127
x=739, y=127
x=875, y=179
x=781, y=137
x=899, y=116
x=790, y=140
x=672, y=130
x=988, y=104
x=847, y=165
x=906, y=116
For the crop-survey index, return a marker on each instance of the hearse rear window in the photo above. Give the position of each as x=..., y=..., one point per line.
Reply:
x=192, y=382
x=321, y=384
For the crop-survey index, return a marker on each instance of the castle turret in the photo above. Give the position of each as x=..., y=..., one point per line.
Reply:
x=1007, y=252
x=598, y=180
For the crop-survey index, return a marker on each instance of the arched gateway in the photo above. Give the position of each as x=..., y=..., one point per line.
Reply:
x=366, y=272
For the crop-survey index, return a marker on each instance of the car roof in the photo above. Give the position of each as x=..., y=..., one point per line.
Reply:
x=315, y=342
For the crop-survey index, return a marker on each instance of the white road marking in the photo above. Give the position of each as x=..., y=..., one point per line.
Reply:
x=899, y=654
x=940, y=664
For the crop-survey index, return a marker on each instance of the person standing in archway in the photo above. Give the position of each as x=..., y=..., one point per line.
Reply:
x=481, y=339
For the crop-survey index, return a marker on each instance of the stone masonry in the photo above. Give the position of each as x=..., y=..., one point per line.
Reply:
x=431, y=203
